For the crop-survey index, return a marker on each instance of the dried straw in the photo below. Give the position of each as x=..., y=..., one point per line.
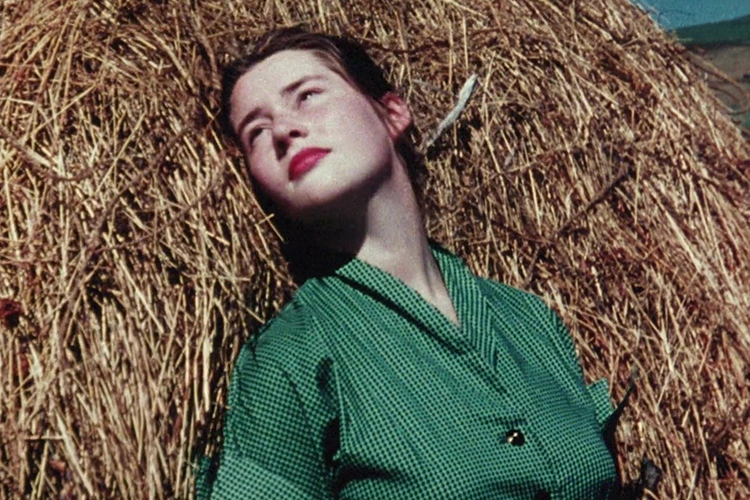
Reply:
x=592, y=167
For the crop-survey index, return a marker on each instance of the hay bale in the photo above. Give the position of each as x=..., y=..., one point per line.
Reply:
x=594, y=165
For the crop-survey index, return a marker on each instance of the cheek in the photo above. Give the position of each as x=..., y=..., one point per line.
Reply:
x=268, y=191
x=263, y=175
x=363, y=126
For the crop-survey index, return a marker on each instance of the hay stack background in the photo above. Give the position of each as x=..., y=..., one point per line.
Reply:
x=592, y=167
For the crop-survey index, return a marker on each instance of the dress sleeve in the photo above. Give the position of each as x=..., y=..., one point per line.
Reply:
x=597, y=391
x=268, y=450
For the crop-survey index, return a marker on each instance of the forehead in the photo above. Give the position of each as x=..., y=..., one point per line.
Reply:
x=271, y=75
x=286, y=65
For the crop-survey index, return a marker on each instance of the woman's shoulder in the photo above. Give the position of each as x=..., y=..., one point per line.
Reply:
x=512, y=296
x=290, y=337
x=522, y=307
x=288, y=358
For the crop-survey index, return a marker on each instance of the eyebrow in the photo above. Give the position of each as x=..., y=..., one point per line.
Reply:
x=285, y=92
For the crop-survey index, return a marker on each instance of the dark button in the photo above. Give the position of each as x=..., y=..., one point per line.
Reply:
x=515, y=437
x=542, y=495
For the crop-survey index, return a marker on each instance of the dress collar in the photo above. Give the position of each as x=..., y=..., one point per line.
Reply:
x=388, y=289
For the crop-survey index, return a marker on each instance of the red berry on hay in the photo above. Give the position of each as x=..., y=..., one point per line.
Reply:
x=10, y=312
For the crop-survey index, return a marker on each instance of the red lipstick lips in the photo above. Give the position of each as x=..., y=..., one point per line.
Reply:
x=305, y=160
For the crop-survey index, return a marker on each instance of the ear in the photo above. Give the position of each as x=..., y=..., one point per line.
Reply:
x=397, y=114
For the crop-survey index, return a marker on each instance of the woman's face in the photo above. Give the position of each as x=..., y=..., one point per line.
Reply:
x=314, y=143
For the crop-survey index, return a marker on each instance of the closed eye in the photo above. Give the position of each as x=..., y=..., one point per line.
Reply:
x=305, y=95
x=253, y=134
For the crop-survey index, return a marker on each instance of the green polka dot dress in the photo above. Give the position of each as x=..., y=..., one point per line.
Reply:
x=360, y=389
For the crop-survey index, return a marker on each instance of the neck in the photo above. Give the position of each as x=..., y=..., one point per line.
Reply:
x=390, y=235
x=396, y=242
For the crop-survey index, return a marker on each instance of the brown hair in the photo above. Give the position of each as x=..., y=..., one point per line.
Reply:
x=343, y=56
x=351, y=62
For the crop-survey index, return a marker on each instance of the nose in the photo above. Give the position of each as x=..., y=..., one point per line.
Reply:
x=285, y=129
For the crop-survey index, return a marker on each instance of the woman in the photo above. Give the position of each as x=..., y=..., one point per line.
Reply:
x=393, y=373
